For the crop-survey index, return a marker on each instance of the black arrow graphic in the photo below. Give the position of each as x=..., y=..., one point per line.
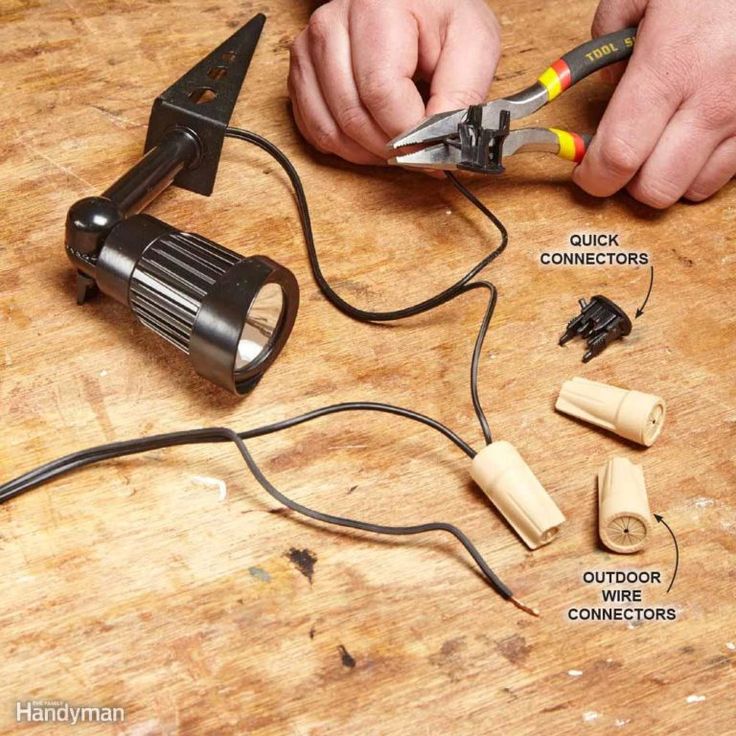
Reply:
x=640, y=311
x=660, y=520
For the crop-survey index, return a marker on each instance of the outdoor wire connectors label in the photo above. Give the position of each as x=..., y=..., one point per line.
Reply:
x=621, y=597
x=594, y=249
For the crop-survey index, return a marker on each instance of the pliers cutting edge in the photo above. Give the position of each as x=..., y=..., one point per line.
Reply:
x=478, y=137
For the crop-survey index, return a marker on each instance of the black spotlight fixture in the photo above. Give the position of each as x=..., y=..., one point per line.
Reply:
x=231, y=314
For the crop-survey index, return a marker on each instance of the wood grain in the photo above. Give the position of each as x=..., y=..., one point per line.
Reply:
x=134, y=584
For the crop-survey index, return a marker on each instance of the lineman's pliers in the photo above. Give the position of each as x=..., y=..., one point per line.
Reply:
x=476, y=138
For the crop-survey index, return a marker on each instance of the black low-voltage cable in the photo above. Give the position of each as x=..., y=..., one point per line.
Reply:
x=363, y=315
x=112, y=450
x=222, y=434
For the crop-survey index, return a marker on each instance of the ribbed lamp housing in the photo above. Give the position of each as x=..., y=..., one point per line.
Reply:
x=195, y=294
x=171, y=279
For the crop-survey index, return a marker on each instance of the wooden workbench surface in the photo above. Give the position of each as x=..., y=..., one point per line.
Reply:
x=170, y=585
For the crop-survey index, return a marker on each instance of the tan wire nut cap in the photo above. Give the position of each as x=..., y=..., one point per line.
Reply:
x=515, y=491
x=634, y=415
x=624, y=518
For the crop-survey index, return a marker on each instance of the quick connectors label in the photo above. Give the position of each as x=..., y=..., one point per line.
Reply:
x=621, y=597
x=594, y=249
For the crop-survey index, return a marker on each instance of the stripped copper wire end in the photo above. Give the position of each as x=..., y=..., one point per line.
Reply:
x=523, y=607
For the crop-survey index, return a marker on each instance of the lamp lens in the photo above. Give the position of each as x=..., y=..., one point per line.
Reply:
x=261, y=325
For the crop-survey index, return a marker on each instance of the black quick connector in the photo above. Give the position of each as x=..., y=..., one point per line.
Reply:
x=600, y=322
x=481, y=149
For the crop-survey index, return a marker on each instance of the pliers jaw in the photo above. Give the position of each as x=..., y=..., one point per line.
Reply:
x=462, y=140
x=433, y=129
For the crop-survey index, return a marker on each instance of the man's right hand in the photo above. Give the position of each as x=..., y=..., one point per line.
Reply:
x=670, y=128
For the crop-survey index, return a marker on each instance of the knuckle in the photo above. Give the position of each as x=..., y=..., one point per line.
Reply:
x=320, y=27
x=375, y=88
x=717, y=112
x=352, y=119
x=656, y=193
x=324, y=138
x=618, y=157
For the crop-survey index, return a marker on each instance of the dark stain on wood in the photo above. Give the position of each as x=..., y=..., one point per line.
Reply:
x=689, y=262
x=451, y=647
x=555, y=708
x=449, y=651
x=303, y=560
x=514, y=648
x=346, y=658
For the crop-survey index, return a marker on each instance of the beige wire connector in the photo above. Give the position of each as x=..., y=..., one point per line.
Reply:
x=624, y=518
x=515, y=491
x=633, y=415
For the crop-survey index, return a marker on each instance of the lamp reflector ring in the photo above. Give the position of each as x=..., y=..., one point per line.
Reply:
x=261, y=325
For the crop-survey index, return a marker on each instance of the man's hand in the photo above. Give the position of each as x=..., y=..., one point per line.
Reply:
x=670, y=128
x=352, y=72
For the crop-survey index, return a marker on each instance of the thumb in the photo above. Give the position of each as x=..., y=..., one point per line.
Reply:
x=467, y=62
x=611, y=16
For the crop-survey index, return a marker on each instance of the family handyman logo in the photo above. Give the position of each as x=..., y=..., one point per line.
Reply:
x=59, y=711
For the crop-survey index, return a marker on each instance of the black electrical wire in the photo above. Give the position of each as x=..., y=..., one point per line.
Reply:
x=222, y=434
x=362, y=315
x=83, y=458
x=111, y=450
